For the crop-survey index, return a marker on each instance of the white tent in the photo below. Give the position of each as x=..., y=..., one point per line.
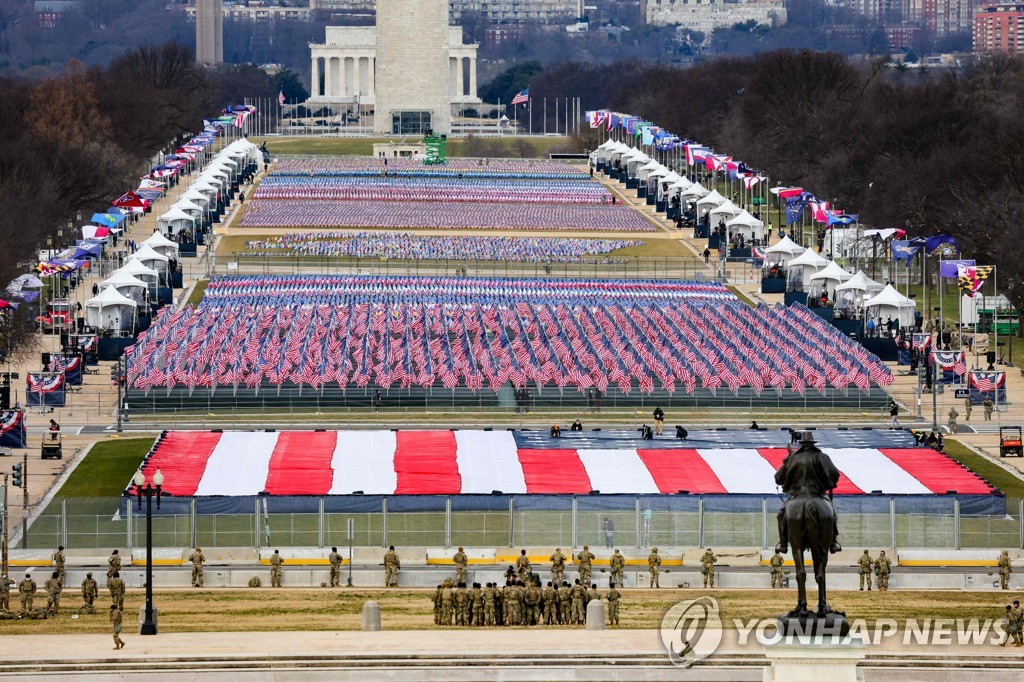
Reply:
x=853, y=292
x=150, y=258
x=711, y=200
x=806, y=264
x=197, y=197
x=891, y=304
x=745, y=224
x=828, y=278
x=726, y=211
x=127, y=285
x=175, y=220
x=162, y=245
x=695, y=191
x=783, y=250
x=110, y=310
x=137, y=269
x=188, y=207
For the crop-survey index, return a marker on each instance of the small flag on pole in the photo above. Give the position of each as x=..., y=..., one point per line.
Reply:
x=521, y=97
x=280, y=98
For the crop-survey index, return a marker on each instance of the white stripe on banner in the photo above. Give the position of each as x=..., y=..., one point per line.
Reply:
x=489, y=461
x=239, y=464
x=871, y=470
x=741, y=470
x=364, y=460
x=617, y=471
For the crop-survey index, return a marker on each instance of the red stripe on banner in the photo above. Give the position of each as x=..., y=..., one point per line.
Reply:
x=554, y=472
x=181, y=456
x=301, y=463
x=936, y=471
x=675, y=470
x=425, y=463
x=775, y=457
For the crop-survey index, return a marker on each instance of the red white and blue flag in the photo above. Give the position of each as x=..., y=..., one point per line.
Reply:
x=522, y=97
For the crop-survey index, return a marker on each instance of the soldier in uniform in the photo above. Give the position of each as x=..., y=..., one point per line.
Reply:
x=953, y=414
x=585, y=559
x=276, y=562
x=499, y=613
x=447, y=600
x=708, y=562
x=506, y=603
x=436, y=600
x=557, y=567
x=461, y=560
x=113, y=565
x=519, y=598
x=523, y=567
x=564, y=603
x=882, y=568
x=489, y=593
x=592, y=594
x=1017, y=624
x=89, y=593
x=5, y=592
x=391, y=566
x=58, y=564
x=987, y=405
x=550, y=597
x=866, y=563
x=460, y=604
x=1004, y=570
x=115, y=624
x=967, y=409
x=532, y=599
x=617, y=563
x=578, y=592
x=613, y=605
x=476, y=596
x=197, y=560
x=116, y=587
x=335, y=560
x=653, y=565
x=776, y=570
x=53, y=589
x=27, y=590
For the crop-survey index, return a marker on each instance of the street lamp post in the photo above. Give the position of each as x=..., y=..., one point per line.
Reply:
x=148, y=491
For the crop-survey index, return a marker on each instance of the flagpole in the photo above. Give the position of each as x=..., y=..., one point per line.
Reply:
x=529, y=106
x=556, y=116
x=545, y=115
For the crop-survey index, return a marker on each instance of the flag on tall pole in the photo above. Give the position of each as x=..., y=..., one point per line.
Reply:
x=280, y=98
x=521, y=97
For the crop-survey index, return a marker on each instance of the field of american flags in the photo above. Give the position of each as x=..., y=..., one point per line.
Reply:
x=625, y=339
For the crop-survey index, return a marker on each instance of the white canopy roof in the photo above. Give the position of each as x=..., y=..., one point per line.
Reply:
x=745, y=219
x=194, y=195
x=832, y=272
x=889, y=297
x=146, y=253
x=785, y=246
x=682, y=183
x=808, y=258
x=176, y=213
x=157, y=240
x=695, y=190
x=860, y=282
x=120, y=278
x=186, y=205
x=109, y=297
x=712, y=199
x=726, y=209
x=670, y=177
x=652, y=165
x=138, y=269
x=110, y=310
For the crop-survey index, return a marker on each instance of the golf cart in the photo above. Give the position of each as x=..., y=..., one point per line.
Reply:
x=1010, y=441
x=52, y=446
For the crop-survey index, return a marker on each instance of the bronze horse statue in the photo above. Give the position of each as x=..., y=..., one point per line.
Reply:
x=807, y=520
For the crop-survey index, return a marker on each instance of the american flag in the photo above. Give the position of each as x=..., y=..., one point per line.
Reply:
x=521, y=97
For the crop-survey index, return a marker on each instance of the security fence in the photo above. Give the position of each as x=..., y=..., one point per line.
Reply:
x=926, y=521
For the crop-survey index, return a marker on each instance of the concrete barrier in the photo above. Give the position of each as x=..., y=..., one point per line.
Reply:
x=371, y=616
x=595, y=615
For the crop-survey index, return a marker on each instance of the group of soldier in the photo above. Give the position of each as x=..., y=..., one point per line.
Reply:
x=707, y=563
x=519, y=603
x=881, y=566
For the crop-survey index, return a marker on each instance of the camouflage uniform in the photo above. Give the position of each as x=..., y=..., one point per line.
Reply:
x=58, y=564
x=882, y=568
x=477, y=601
x=116, y=587
x=461, y=560
x=550, y=605
x=557, y=567
x=532, y=599
x=115, y=625
x=436, y=599
x=113, y=565
x=776, y=571
x=613, y=606
x=53, y=590
x=1004, y=570
x=89, y=593
x=616, y=564
x=708, y=561
x=866, y=563
x=5, y=592
x=446, y=604
x=489, y=594
x=564, y=604
x=585, y=564
x=335, y=560
x=523, y=568
x=578, y=593
x=391, y=566
x=275, y=569
x=27, y=590
x=197, y=560
x=654, y=566
x=460, y=605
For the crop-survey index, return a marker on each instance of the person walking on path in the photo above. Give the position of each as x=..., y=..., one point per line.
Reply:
x=659, y=420
x=865, y=562
x=115, y=625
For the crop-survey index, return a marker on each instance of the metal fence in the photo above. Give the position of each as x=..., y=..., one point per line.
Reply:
x=499, y=521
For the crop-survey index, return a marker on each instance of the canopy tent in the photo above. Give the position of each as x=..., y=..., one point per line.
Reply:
x=784, y=250
x=110, y=310
x=196, y=197
x=151, y=259
x=723, y=213
x=828, y=278
x=806, y=264
x=188, y=207
x=745, y=224
x=175, y=220
x=648, y=169
x=137, y=269
x=853, y=292
x=127, y=285
x=695, y=191
x=710, y=201
x=891, y=304
x=162, y=245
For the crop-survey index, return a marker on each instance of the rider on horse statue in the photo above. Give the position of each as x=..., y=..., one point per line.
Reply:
x=806, y=472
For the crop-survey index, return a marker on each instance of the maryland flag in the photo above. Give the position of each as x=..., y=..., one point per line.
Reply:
x=970, y=278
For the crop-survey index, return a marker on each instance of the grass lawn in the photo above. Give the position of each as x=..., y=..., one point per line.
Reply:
x=740, y=295
x=1012, y=486
x=106, y=468
x=197, y=292
x=267, y=610
x=363, y=146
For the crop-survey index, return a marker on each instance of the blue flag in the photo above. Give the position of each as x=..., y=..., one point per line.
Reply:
x=903, y=250
x=945, y=244
x=795, y=209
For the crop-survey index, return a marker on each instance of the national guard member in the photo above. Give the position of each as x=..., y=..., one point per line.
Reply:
x=1005, y=569
x=275, y=568
x=5, y=592
x=1017, y=623
x=113, y=565
x=578, y=593
x=585, y=559
x=335, y=560
x=27, y=590
x=776, y=570
x=436, y=599
x=967, y=409
x=953, y=414
x=115, y=624
x=708, y=562
x=489, y=595
x=53, y=589
x=617, y=563
x=557, y=567
x=89, y=593
x=532, y=599
x=523, y=567
x=116, y=587
x=592, y=595
x=58, y=564
x=391, y=566
x=653, y=565
x=476, y=596
x=987, y=405
x=460, y=604
x=460, y=560
x=550, y=605
x=447, y=600
x=882, y=568
x=564, y=604
x=197, y=560
x=613, y=605
x=866, y=563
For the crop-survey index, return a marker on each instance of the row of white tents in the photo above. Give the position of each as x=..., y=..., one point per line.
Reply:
x=667, y=185
x=880, y=301
x=201, y=198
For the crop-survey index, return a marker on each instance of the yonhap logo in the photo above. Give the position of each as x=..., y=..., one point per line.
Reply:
x=691, y=631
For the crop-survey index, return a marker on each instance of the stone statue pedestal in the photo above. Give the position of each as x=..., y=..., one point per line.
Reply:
x=815, y=659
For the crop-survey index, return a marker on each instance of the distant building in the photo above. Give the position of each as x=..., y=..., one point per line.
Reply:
x=255, y=11
x=999, y=28
x=502, y=33
x=518, y=11
x=48, y=12
x=898, y=37
x=942, y=18
x=707, y=15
